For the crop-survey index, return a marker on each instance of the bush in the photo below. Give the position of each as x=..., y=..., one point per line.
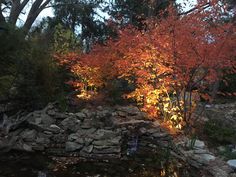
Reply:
x=218, y=133
x=28, y=73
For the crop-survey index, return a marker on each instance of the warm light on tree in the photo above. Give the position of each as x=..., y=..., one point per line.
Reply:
x=171, y=63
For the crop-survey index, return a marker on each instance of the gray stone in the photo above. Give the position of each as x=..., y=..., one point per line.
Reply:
x=54, y=128
x=28, y=135
x=38, y=120
x=38, y=148
x=42, y=140
x=80, y=140
x=86, y=132
x=108, y=142
x=80, y=115
x=103, y=134
x=60, y=115
x=88, y=141
x=131, y=110
x=48, y=132
x=106, y=149
x=88, y=113
x=100, y=108
x=143, y=130
x=232, y=163
x=87, y=124
x=51, y=112
x=197, y=144
x=72, y=146
x=121, y=113
x=87, y=149
x=27, y=148
x=203, y=158
x=71, y=123
x=156, y=123
x=47, y=120
x=153, y=130
x=73, y=137
x=159, y=135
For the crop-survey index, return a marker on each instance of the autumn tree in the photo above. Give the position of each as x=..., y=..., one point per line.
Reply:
x=172, y=63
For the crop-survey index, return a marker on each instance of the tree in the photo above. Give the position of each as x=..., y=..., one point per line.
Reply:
x=171, y=63
x=135, y=12
x=16, y=7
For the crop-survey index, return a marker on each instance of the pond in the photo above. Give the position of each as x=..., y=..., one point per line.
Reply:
x=37, y=165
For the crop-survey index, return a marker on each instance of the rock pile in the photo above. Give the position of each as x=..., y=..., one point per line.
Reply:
x=105, y=132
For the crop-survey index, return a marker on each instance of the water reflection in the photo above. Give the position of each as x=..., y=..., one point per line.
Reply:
x=40, y=166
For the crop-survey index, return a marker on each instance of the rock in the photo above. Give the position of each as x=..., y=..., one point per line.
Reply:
x=87, y=124
x=132, y=122
x=131, y=110
x=232, y=163
x=54, y=128
x=88, y=141
x=88, y=113
x=156, y=123
x=73, y=137
x=143, y=130
x=121, y=113
x=100, y=108
x=87, y=149
x=197, y=144
x=27, y=148
x=85, y=132
x=48, y=133
x=71, y=123
x=108, y=142
x=38, y=120
x=203, y=158
x=159, y=135
x=28, y=135
x=47, y=120
x=153, y=130
x=79, y=140
x=72, y=146
x=221, y=148
x=106, y=149
x=103, y=114
x=51, y=112
x=80, y=115
x=38, y=148
x=42, y=141
x=59, y=115
x=103, y=134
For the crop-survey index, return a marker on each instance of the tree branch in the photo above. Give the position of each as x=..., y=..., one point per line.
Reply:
x=204, y=6
x=16, y=9
x=35, y=10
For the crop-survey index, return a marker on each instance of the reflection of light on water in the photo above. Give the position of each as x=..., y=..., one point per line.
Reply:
x=42, y=174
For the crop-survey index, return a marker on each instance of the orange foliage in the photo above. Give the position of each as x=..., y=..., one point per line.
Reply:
x=166, y=61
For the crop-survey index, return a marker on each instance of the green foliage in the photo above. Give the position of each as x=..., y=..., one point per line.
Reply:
x=12, y=52
x=230, y=86
x=64, y=40
x=28, y=73
x=227, y=153
x=218, y=133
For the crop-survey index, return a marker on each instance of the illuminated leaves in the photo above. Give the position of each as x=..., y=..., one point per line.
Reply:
x=176, y=58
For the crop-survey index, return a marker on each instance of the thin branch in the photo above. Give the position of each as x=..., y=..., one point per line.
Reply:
x=204, y=6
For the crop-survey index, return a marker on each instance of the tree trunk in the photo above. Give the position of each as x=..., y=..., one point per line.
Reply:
x=16, y=9
x=35, y=10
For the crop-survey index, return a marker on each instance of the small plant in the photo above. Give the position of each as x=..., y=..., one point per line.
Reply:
x=218, y=133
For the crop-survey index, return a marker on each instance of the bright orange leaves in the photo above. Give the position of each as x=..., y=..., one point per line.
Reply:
x=166, y=62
